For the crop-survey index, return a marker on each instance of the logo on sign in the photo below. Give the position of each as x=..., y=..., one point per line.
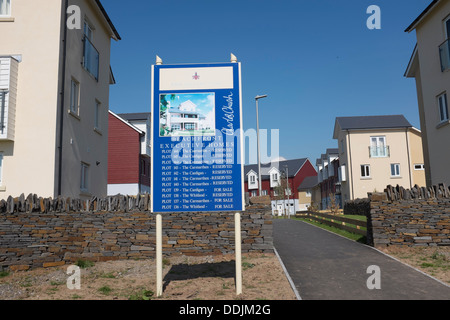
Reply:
x=196, y=76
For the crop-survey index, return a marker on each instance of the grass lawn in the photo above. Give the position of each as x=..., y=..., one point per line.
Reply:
x=349, y=235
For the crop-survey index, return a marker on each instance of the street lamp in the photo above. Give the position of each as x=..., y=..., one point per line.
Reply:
x=288, y=190
x=257, y=136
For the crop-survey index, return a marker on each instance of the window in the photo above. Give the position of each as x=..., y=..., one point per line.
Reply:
x=365, y=171
x=189, y=126
x=252, y=179
x=308, y=193
x=378, y=148
x=74, y=97
x=97, y=115
x=264, y=192
x=91, y=57
x=443, y=107
x=84, y=186
x=395, y=170
x=419, y=167
x=253, y=193
x=5, y=8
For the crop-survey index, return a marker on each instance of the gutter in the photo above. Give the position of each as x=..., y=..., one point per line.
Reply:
x=63, y=84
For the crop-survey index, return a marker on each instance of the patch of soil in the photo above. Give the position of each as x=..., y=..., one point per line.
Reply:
x=185, y=278
x=434, y=261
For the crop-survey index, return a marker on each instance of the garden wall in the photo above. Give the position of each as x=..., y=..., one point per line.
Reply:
x=410, y=217
x=45, y=232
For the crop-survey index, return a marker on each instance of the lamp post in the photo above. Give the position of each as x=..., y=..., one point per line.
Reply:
x=259, y=150
x=288, y=191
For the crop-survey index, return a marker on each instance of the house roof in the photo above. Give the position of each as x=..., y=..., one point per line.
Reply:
x=309, y=183
x=293, y=167
x=373, y=122
x=422, y=15
x=135, y=116
x=108, y=20
x=126, y=122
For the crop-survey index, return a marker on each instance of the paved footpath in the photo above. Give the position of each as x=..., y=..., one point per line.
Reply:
x=325, y=266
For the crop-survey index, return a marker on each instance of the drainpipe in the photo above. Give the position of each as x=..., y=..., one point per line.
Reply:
x=409, y=159
x=63, y=84
x=351, y=163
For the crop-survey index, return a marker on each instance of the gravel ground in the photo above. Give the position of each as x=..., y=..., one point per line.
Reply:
x=185, y=278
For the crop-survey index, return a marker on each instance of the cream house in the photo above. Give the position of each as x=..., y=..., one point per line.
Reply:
x=376, y=151
x=430, y=66
x=54, y=98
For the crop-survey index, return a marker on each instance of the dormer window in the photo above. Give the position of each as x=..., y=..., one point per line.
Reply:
x=252, y=180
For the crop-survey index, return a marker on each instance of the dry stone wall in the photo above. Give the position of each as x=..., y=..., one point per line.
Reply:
x=410, y=217
x=37, y=232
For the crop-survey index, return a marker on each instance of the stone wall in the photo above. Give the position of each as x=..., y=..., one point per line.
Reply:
x=34, y=235
x=410, y=217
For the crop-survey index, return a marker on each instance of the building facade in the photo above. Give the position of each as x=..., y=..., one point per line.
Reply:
x=376, y=151
x=280, y=181
x=54, y=92
x=129, y=154
x=328, y=179
x=430, y=66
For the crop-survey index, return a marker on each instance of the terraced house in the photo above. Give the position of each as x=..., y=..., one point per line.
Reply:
x=54, y=97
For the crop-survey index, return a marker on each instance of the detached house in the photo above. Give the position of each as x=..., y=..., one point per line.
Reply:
x=376, y=151
x=430, y=66
x=54, y=98
x=280, y=181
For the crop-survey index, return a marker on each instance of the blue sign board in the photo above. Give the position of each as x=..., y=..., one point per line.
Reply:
x=197, y=156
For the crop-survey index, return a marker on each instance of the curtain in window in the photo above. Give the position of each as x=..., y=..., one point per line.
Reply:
x=5, y=7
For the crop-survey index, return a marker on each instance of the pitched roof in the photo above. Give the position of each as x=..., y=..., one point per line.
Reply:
x=293, y=167
x=126, y=122
x=108, y=20
x=422, y=15
x=135, y=116
x=373, y=122
x=309, y=183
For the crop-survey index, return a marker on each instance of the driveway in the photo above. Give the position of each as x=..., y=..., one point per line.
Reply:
x=325, y=266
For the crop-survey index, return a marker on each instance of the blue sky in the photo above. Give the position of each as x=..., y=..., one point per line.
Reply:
x=316, y=60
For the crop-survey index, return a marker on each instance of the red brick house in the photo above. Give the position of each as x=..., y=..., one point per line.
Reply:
x=271, y=175
x=128, y=154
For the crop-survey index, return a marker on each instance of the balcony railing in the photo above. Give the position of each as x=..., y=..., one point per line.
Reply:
x=379, y=152
x=91, y=58
x=444, y=51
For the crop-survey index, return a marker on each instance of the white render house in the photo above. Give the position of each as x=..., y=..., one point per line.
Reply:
x=185, y=117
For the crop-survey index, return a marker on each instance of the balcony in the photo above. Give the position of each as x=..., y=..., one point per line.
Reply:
x=91, y=58
x=379, y=152
x=444, y=52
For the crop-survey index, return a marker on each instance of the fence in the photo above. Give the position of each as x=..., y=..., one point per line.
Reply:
x=339, y=222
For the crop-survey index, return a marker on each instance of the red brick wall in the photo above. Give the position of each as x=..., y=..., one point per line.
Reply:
x=123, y=152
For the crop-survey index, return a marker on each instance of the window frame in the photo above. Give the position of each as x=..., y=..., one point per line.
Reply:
x=367, y=171
x=74, y=95
x=98, y=106
x=443, y=112
x=84, y=178
x=419, y=167
x=7, y=8
x=396, y=170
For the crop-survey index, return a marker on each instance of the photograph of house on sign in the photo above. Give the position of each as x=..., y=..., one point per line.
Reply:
x=187, y=114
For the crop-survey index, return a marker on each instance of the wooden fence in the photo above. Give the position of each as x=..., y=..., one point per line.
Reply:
x=339, y=222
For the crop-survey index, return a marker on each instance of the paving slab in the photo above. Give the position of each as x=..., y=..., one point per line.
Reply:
x=326, y=266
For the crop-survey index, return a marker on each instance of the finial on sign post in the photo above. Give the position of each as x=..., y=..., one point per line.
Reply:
x=158, y=60
x=233, y=58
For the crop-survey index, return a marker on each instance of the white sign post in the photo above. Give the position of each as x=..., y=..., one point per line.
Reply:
x=159, y=278
x=238, y=241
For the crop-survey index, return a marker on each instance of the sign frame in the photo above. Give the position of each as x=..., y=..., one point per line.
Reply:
x=192, y=87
